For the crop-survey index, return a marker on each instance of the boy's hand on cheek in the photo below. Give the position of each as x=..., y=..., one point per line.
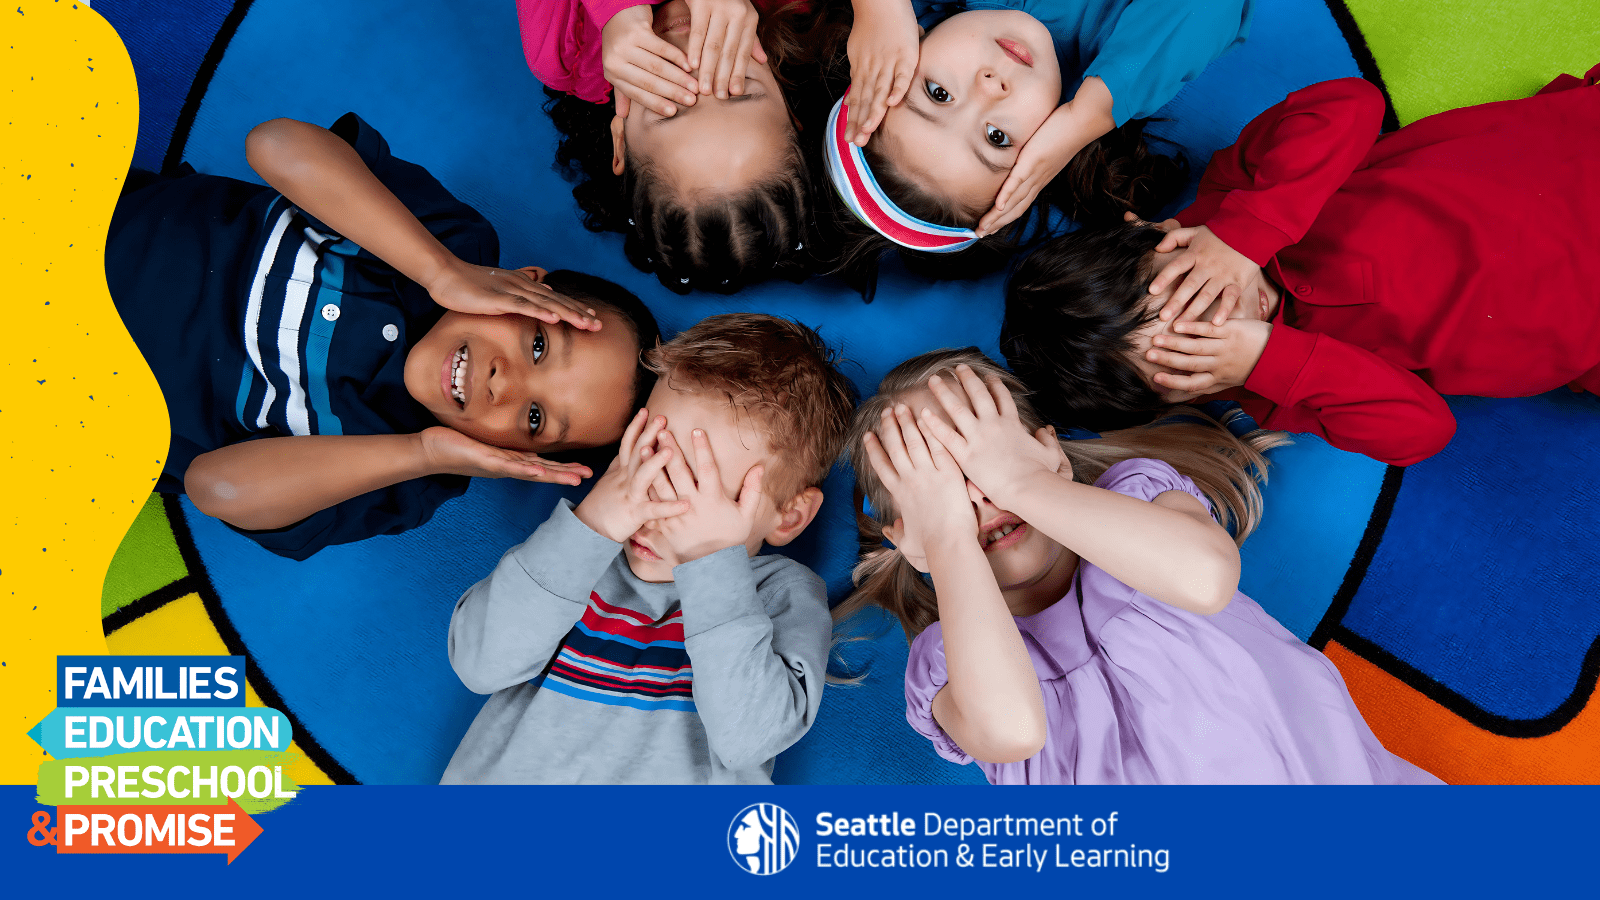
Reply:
x=1208, y=358
x=449, y=452
x=620, y=502
x=486, y=291
x=715, y=521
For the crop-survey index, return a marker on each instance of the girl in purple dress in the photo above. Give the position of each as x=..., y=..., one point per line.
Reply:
x=1084, y=624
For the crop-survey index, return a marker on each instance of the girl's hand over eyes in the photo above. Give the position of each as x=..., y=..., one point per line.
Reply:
x=642, y=66
x=722, y=41
x=988, y=439
x=486, y=291
x=928, y=487
x=884, y=46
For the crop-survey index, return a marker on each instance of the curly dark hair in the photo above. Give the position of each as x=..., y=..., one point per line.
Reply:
x=1115, y=173
x=1072, y=307
x=723, y=243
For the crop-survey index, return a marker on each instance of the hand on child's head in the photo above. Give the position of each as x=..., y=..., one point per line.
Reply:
x=642, y=66
x=719, y=516
x=1206, y=276
x=883, y=50
x=450, y=452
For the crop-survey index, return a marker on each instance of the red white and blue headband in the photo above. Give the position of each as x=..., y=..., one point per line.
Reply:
x=853, y=179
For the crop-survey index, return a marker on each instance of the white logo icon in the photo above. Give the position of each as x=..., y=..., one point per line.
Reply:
x=763, y=838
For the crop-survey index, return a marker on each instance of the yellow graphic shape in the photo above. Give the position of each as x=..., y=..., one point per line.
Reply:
x=82, y=426
x=183, y=627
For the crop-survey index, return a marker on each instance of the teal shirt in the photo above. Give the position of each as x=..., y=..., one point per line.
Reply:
x=1144, y=50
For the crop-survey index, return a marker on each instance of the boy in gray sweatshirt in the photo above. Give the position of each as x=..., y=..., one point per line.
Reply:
x=639, y=637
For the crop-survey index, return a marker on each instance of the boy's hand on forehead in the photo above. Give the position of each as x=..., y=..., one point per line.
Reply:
x=715, y=520
x=884, y=47
x=450, y=452
x=643, y=67
x=1209, y=271
x=988, y=439
x=1205, y=358
x=722, y=41
x=485, y=291
x=620, y=503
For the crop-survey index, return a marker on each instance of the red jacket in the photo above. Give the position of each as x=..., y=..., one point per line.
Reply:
x=1456, y=255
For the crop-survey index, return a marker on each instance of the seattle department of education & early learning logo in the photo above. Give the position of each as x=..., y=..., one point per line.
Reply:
x=763, y=838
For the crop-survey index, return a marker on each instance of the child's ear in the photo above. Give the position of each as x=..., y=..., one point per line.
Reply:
x=537, y=272
x=894, y=533
x=619, y=146
x=794, y=516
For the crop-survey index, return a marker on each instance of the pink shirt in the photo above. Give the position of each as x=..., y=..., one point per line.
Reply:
x=561, y=39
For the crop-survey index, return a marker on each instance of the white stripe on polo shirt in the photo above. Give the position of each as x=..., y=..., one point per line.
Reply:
x=294, y=309
x=252, y=314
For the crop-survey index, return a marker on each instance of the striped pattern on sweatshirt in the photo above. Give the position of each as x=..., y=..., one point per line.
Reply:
x=618, y=657
x=290, y=316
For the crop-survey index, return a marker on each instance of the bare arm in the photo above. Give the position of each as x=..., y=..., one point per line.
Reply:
x=275, y=482
x=1067, y=131
x=1170, y=548
x=992, y=706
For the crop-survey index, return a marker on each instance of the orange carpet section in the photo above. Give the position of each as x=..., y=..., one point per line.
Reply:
x=1438, y=740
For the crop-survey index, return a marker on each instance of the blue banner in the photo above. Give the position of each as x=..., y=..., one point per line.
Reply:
x=888, y=841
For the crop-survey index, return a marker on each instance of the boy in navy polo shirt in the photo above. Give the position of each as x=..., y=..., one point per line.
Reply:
x=338, y=354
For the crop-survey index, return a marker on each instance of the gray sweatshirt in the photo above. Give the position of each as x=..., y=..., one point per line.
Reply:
x=601, y=678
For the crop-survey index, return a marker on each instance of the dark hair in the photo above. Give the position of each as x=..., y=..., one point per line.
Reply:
x=593, y=289
x=1117, y=172
x=1071, y=309
x=780, y=371
x=720, y=244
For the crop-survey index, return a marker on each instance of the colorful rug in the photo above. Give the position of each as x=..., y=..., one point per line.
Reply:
x=1456, y=596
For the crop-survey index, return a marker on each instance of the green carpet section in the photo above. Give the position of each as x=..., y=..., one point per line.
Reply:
x=1443, y=54
x=147, y=560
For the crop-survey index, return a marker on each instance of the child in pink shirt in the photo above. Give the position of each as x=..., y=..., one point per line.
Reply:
x=698, y=164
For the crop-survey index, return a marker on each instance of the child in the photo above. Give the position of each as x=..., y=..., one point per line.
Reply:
x=700, y=165
x=638, y=637
x=337, y=356
x=941, y=147
x=1337, y=281
x=1077, y=633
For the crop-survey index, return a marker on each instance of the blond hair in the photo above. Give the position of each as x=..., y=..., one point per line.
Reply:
x=782, y=373
x=1228, y=470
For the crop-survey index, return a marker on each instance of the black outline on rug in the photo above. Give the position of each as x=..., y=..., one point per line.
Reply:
x=1364, y=59
x=198, y=581
x=202, y=83
x=1332, y=628
x=1552, y=722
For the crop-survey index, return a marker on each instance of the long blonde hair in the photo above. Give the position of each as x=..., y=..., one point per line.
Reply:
x=1228, y=470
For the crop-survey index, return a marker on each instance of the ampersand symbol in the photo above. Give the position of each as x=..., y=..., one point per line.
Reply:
x=964, y=856
x=41, y=834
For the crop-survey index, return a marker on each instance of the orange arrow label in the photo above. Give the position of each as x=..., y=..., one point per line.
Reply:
x=155, y=829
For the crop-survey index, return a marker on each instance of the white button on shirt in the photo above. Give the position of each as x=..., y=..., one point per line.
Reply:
x=330, y=312
x=390, y=332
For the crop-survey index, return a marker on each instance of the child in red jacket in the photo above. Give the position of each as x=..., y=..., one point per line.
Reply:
x=1336, y=281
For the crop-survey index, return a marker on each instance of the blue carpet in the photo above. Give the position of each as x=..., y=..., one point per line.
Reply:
x=353, y=639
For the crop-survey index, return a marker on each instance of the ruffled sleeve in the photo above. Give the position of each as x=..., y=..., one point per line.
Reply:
x=925, y=675
x=1147, y=479
x=1155, y=47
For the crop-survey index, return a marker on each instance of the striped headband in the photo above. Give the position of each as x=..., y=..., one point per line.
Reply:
x=852, y=178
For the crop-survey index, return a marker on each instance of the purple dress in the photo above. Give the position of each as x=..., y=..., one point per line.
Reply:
x=1139, y=692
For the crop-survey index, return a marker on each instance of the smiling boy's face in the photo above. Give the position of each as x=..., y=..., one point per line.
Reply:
x=513, y=381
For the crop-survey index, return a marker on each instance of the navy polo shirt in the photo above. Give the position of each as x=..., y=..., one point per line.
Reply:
x=258, y=320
